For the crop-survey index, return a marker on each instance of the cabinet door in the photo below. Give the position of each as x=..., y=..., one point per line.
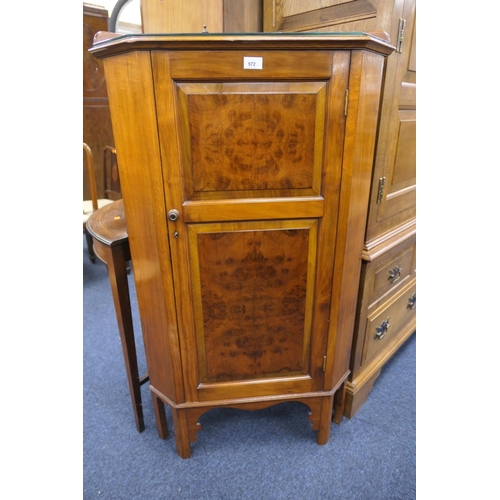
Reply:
x=251, y=160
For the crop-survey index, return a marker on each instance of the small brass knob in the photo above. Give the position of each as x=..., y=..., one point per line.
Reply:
x=173, y=215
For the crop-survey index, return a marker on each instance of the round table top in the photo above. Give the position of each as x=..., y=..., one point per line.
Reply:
x=108, y=224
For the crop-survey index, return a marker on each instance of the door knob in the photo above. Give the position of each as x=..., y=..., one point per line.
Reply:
x=173, y=215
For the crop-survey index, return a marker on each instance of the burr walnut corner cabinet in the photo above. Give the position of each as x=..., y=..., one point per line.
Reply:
x=245, y=165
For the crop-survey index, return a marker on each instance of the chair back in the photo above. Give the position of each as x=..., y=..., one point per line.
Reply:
x=112, y=188
x=91, y=175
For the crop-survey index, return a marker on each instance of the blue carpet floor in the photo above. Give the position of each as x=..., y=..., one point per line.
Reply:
x=269, y=454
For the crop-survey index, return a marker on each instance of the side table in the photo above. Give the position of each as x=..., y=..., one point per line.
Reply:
x=108, y=229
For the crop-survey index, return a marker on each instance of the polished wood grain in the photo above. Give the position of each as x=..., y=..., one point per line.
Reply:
x=264, y=203
x=230, y=66
x=107, y=44
x=108, y=226
x=185, y=416
x=135, y=129
x=246, y=196
x=361, y=126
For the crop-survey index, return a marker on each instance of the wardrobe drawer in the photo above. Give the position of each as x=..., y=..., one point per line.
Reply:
x=393, y=272
x=385, y=323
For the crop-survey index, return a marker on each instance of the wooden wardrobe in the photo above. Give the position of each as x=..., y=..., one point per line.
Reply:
x=386, y=310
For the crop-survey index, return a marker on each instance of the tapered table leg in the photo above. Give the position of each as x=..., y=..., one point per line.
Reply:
x=108, y=229
x=117, y=270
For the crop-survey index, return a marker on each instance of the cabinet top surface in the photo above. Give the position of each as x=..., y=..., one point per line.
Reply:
x=108, y=44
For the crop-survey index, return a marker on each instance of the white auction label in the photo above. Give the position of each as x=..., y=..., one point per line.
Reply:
x=252, y=63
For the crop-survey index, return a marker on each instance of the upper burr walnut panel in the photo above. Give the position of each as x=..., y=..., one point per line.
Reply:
x=267, y=137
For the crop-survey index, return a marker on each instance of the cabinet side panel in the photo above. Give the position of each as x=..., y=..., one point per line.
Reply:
x=362, y=117
x=133, y=115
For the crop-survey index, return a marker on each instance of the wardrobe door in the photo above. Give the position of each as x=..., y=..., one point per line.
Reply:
x=393, y=200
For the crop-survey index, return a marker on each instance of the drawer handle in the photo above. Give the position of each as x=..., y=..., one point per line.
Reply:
x=395, y=274
x=412, y=301
x=382, y=329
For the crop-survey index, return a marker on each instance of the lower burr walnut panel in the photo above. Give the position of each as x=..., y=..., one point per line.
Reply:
x=253, y=300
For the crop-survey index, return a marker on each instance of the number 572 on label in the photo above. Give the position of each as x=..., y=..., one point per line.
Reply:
x=252, y=63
